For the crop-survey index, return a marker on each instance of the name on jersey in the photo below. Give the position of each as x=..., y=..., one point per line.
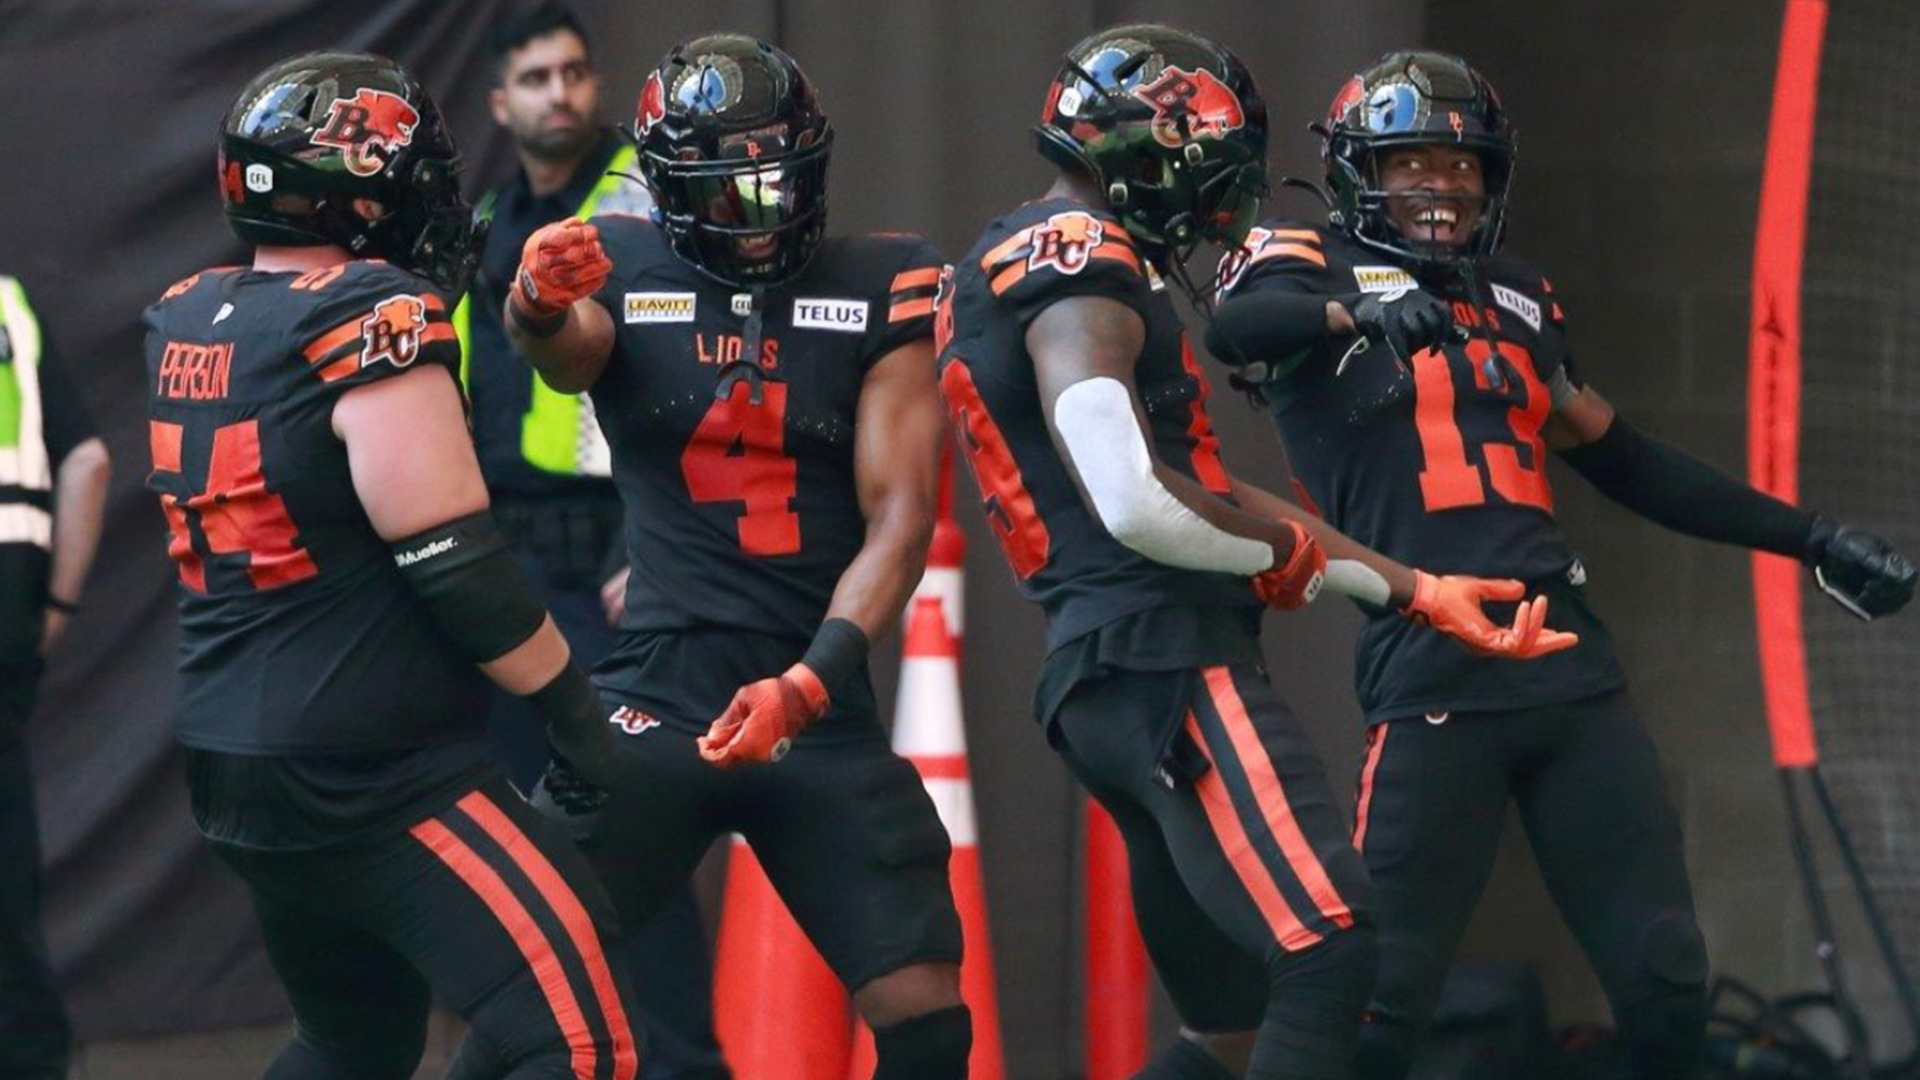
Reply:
x=845, y=316
x=660, y=307
x=726, y=348
x=1520, y=304
x=422, y=554
x=193, y=372
x=1380, y=279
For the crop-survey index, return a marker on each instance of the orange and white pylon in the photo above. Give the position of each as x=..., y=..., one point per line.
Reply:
x=779, y=1011
x=929, y=731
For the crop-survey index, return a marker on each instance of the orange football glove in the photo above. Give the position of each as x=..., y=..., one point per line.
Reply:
x=559, y=264
x=759, y=725
x=1451, y=605
x=1294, y=585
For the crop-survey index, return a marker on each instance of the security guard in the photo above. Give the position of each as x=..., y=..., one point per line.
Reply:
x=53, y=483
x=546, y=463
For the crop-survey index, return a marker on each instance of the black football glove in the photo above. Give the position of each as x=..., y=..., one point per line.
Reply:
x=568, y=799
x=1858, y=569
x=1405, y=320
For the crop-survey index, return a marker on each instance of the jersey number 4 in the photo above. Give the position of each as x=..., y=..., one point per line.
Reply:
x=1451, y=481
x=738, y=454
x=1003, y=492
x=235, y=512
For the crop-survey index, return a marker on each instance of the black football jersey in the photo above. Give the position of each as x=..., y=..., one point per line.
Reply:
x=1061, y=555
x=297, y=633
x=741, y=505
x=1442, y=468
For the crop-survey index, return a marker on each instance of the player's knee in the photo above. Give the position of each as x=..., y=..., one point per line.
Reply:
x=373, y=1053
x=1672, y=956
x=913, y=991
x=931, y=1046
x=1335, y=975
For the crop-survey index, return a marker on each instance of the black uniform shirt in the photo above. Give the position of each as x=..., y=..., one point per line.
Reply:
x=297, y=633
x=1443, y=469
x=1061, y=555
x=741, y=515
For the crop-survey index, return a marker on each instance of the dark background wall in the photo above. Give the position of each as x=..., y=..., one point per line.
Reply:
x=1642, y=125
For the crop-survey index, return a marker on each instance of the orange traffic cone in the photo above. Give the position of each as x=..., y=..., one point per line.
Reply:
x=778, y=1010
x=1118, y=1000
x=928, y=731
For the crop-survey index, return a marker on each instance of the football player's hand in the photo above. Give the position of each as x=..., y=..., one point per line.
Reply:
x=559, y=264
x=1451, y=605
x=1405, y=320
x=1293, y=584
x=760, y=724
x=1858, y=569
x=568, y=799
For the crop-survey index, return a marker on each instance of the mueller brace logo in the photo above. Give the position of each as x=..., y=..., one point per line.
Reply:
x=368, y=129
x=418, y=555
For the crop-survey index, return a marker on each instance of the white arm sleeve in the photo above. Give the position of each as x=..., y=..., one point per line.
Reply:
x=1097, y=425
x=1350, y=577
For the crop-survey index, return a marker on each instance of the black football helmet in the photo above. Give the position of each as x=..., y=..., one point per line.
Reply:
x=1172, y=129
x=734, y=148
x=312, y=133
x=1408, y=99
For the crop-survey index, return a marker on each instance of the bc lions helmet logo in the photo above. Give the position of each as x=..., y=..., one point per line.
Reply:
x=1065, y=241
x=392, y=332
x=653, y=106
x=1191, y=105
x=368, y=129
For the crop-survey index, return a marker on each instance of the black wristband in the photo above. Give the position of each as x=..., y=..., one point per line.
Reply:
x=568, y=702
x=576, y=722
x=838, y=652
x=534, y=326
x=61, y=606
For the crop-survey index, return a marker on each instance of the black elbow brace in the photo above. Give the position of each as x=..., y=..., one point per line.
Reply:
x=472, y=585
x=1669, y=486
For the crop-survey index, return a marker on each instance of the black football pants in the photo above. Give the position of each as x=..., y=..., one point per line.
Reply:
x=1433, y=798
x=1249, y=894
x=482, y=904
x=668, y=956
x=34, y=1039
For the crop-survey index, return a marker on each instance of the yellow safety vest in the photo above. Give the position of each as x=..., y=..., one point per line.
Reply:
x=558, y=433
x=23, y=446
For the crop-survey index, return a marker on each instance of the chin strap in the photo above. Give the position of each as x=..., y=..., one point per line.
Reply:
x=747, y=367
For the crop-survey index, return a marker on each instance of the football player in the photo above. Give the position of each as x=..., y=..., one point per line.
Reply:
x=1082, y=413
x=1418, y=377
x=342, y=590
x=768, y=393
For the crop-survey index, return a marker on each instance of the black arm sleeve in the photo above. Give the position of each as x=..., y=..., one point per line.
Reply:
x=1267, y=323
x=1671, y=487
x=472, y=585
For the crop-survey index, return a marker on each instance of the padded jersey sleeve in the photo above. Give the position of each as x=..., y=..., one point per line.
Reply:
x=1071, y=253
x=371, y=322
x=1280, y=255
x=905, y=308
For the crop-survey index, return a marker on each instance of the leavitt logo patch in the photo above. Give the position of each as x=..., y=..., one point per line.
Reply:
x=1379, y=279
x=660, y=307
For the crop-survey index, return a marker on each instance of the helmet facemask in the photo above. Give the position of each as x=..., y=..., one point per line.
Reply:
x=746, y=221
